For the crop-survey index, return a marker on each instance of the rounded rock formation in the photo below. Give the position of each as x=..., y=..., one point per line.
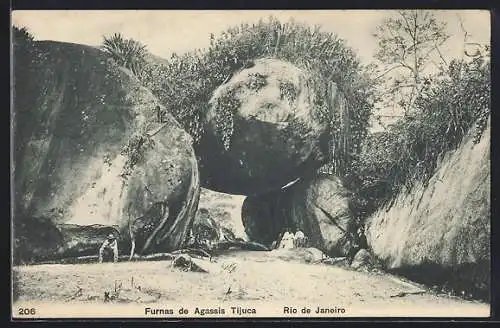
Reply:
x=319, y=208
x=439, y=232
x=362, y=259
x=224, y=209
x=74, y=113
x=262, y=130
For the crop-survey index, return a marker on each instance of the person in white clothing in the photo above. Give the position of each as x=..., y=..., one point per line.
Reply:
x=299, y=238
x=109, y=243
x=287, y=241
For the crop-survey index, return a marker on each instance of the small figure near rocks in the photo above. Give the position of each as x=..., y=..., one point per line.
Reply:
x=363, y=258
x=276, y=243
x=363, y=243
x=300, y=240
x=357, y=242
x=107, y=298
x=160, y=114
x=111, y=244
x=287, y=241
x=157, y=111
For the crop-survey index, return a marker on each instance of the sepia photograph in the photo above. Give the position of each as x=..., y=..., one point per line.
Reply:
x=171, y=164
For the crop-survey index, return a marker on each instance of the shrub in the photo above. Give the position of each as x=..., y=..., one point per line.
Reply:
x=186, y=83
x=455, y=103
x=23, y=46
x=21, y=36
x=127, y=53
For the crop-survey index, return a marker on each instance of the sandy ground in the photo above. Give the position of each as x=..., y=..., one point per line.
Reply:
x=258, y=277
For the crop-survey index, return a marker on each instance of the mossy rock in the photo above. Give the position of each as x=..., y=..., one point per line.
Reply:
x=303, y=206
x=74, y=112
x=262, y=130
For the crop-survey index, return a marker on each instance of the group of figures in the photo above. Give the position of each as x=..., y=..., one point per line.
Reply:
x=288, y=239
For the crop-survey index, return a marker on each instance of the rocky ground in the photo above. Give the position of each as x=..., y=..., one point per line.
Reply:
x=277, y=277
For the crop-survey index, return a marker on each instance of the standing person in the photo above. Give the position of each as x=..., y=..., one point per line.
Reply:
x=357, y=242
x=353, y=247
x=109, y=243
x=276, y=243
x=159, y=114
x=363, y=243
x=287, y=239
x=299, y=239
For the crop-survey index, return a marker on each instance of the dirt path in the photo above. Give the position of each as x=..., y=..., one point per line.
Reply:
x=256, y=277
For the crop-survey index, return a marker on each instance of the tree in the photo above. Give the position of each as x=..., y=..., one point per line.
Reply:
x=187, y=81
x=407, y=152
x=407, y=43
x=21, y=35
x=127, y=53
x=23, y=43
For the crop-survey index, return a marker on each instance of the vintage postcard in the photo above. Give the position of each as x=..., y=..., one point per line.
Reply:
x=250, y=164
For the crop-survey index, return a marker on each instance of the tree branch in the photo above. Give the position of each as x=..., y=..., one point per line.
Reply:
x=401, y=13
x=398, y=87
x=441, y=55
x=405, y=65
x=387, y=71
x=465, y=34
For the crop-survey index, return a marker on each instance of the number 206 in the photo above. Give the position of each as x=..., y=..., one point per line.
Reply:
x=26, y=311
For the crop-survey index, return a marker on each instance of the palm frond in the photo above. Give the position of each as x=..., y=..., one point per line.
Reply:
x=127, y=53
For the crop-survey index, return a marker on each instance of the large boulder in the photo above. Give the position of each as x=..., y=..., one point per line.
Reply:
x=262, y=130
x=319, y=208
x=35, y=239
x=38, y=239
x=439, y=232
x=224, y=210
x=165, y=174
x=83, y=240
x=362, y=260
x=76, y=118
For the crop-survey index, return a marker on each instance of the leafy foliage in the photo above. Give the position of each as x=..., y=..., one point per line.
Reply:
x=455, y=103
x=21, y=35
x=134, y=152
x=256, y=81
x=127, y=53
x=186, y=83
x=406, y=45
x=225, y=108
x=23, y=45
x=287, y=91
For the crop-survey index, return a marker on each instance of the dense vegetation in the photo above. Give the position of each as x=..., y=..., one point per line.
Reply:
x=24, y=51
x=376, y=166
x=127, y=53
x=185, y=84
x=456, y=102
x=440, y=109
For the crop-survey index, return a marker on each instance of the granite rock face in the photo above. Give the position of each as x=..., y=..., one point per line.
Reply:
x=441, y=231
x=276, y=135
x=74, y=114
x=319, y=208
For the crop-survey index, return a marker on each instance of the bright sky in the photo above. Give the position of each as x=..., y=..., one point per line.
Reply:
x=178, y=31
